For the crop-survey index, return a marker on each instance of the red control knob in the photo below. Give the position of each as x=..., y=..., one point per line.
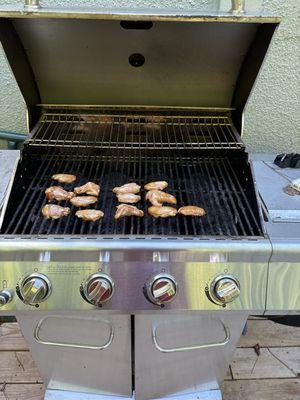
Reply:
x=98, y=289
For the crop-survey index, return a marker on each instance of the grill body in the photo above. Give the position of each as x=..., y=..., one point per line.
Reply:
x=172, y=111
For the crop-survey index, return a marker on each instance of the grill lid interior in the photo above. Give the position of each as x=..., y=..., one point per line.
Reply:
x=100, y=59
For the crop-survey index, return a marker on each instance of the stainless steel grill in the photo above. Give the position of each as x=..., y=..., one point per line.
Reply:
x=217, y=184
x=106, y=128
x=117, y=97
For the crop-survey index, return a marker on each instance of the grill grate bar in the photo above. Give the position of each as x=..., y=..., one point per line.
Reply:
x=39, y=200
x=164, y=165
x=180, y=188
x=244, y=197
x=191, y=198
x=212, y=200
x=80, y=167
x=223, y=197
x=238, y=196
x=27, y=198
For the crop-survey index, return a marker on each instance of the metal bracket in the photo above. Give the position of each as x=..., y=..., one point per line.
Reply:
x=237, y=6
x=32, y=4
x=195, y=347
x=72, y=345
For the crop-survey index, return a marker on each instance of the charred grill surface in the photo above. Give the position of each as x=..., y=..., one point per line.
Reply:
x=222, y=186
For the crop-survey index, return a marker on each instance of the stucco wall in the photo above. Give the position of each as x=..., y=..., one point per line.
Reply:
x=272, y=117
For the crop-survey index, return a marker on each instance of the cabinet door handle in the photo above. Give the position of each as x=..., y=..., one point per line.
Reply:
x=194, y=347
x=72, y=345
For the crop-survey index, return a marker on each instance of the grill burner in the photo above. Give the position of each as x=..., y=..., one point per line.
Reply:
x=217, y=184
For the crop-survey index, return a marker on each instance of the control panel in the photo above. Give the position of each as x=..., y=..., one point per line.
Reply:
x=130, y=286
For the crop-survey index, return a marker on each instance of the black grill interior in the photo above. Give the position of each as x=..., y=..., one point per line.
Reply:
x=220, y=184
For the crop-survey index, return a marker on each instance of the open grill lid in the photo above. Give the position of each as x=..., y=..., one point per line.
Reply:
x=100, y=57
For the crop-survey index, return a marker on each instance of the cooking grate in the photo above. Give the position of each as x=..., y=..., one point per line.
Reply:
x=113, y=128
x=218, y=184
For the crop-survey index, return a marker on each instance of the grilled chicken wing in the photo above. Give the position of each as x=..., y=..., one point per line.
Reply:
x=193, y=211
x=54, y=211
x=162, y=211
x=64, y=178
x=58, y=193
x=128, y=198
x=158, y=185
x=127, y=188
x=89, y=188
x=157, y=197
x=124, y=210
x=89, y=215
x=83, y=201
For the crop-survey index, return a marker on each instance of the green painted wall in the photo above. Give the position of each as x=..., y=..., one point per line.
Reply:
x=272, y=117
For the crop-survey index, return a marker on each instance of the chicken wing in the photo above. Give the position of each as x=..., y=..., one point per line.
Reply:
x=128, y=198
x=157, y=197
x=89, y=215
x=64, y=178
x=193, y=211
x=89, y=188
x=83, y=201
x=127, y=188
x=158, y=185
x=58, y=193
x=162, y=211
x=124, y=210
x=54, y=211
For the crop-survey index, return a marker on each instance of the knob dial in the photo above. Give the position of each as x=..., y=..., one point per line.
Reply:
x=5, y=297
x=225, y=288
x=161, y=289
x=98, y=289
x=35, y=288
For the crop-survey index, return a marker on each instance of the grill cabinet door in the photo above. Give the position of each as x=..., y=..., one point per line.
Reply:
x=159, y=374
x=85, y=370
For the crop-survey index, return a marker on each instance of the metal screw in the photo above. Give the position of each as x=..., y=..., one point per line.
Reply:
x=237, y=6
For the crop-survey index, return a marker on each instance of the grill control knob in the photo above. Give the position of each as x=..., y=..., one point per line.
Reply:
x=225, y=288
x=35, y=288
x=98, y=289
x=5, y=297
x=161, y=289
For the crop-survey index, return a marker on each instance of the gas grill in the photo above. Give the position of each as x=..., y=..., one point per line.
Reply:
x=117, y=97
